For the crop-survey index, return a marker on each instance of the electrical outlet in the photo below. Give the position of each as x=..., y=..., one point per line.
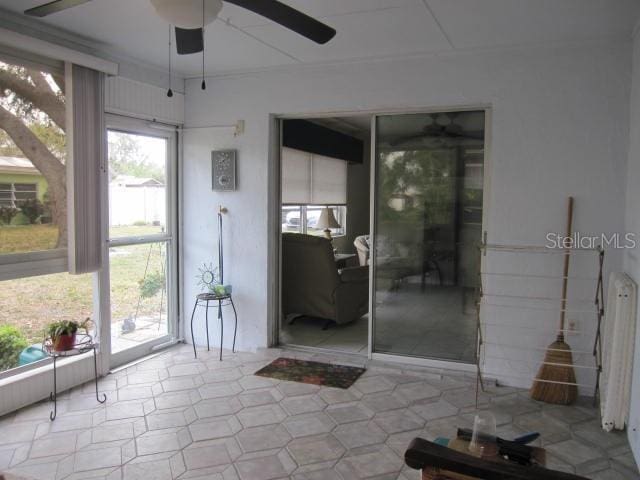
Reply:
x=573, y=325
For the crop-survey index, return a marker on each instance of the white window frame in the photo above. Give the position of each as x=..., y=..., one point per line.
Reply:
x=134, y=126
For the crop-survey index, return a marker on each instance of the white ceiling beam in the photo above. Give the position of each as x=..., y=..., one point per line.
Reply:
x=258, y=39
x=34, y=45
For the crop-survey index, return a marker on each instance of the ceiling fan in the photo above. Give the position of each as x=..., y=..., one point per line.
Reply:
x=190, y=16
x=441, y=128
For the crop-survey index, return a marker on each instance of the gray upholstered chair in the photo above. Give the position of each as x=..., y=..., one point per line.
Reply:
x=313, y=286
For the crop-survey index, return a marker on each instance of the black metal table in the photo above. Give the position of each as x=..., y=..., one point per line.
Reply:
x=202, y=300
x=84, y=343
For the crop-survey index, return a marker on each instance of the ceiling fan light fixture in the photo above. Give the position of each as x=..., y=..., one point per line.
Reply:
x=187, y=14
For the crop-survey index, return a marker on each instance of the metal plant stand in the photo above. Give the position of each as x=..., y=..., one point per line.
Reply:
x=84, y=343
x=223, y=299
x=203, y=300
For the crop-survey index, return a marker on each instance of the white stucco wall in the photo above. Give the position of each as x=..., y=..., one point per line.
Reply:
x=559, y=127
x=632, y=220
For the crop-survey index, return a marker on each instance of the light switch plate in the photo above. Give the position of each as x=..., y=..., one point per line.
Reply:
x=223, y=170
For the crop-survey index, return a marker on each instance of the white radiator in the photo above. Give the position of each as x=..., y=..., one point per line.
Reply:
x=618, y=339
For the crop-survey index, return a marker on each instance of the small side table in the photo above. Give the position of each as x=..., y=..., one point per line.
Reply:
x=84, y=343
x=202, y=300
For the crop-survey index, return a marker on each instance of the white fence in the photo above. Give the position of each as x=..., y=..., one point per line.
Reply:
x=128, y=205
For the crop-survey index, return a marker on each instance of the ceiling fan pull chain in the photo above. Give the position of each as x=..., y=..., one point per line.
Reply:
x=169, y=92
x=203, y=85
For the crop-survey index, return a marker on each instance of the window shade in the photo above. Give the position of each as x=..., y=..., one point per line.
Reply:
x=85, y=166
x=296, y=177
x=309, y=179
x=329, y=181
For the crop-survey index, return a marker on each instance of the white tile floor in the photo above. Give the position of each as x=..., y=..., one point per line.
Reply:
x=173, y=417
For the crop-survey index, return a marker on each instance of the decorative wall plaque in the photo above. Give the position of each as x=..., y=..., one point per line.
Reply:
x=223, y=170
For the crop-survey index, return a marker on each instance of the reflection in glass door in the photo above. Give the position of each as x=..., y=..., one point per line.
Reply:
x=428, y=223
x=141, y=258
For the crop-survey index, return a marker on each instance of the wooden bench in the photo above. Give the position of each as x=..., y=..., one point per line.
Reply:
x=443, y=463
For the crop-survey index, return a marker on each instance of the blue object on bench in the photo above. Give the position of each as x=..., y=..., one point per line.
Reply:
x=442, y=441
x=31, y=354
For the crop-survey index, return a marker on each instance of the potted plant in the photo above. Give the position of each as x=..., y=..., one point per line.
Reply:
x=63, y=333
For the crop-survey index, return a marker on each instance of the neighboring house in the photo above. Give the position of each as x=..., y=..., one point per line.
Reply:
x=20, y=180
x=131, y=181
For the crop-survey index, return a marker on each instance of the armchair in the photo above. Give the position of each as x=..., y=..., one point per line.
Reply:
x=313, y=286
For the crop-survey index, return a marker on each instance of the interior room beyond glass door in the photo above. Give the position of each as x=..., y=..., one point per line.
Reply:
x=428, y=223
x=141, y=271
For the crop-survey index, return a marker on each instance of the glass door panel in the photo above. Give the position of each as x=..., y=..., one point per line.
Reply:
x=141, y=255
x=428, y=222
x=138, y=283
x=137, y=184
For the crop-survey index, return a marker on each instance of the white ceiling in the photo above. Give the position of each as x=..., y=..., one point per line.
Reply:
x=241, y=40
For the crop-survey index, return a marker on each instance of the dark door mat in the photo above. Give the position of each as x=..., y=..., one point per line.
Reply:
x=315, y=373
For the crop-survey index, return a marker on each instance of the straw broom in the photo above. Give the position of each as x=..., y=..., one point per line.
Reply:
x=556, y=379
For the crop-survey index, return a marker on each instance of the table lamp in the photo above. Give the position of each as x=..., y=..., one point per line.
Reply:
x=327, y=221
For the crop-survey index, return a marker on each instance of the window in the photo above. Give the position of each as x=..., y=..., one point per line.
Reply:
x=33, y=201
x=311, y=183
x=137, y=184
x=309, y=179
x=303, y=219
x=12, y=194
x=7, y=197
x=35, y=289
x=28, y=305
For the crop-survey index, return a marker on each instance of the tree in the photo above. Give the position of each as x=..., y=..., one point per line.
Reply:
x=126, y=157
x=33, y=117
x=7, y=147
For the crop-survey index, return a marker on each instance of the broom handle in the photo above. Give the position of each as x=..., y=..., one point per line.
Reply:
x=566, y=269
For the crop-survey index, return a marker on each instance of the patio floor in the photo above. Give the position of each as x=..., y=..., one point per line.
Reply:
x=175, y=417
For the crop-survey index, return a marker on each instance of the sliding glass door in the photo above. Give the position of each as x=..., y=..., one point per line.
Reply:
x=428, y=223
x=141, y=232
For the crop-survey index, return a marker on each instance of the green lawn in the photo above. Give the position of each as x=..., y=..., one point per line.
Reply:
x=31, y=303
x=27, y=238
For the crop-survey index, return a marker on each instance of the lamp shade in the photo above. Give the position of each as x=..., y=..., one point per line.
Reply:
x=327, y=219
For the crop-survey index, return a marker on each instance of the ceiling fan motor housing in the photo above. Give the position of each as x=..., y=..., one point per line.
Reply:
x=187, y=14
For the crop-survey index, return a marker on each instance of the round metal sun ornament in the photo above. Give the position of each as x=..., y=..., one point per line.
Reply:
x=207, y=277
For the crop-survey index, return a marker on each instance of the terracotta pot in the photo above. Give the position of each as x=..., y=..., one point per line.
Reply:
x=63, y=343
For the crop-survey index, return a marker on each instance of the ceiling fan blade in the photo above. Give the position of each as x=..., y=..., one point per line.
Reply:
x=290, y=18
x=189, y=40
x=53, y=7
x=404, y=139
